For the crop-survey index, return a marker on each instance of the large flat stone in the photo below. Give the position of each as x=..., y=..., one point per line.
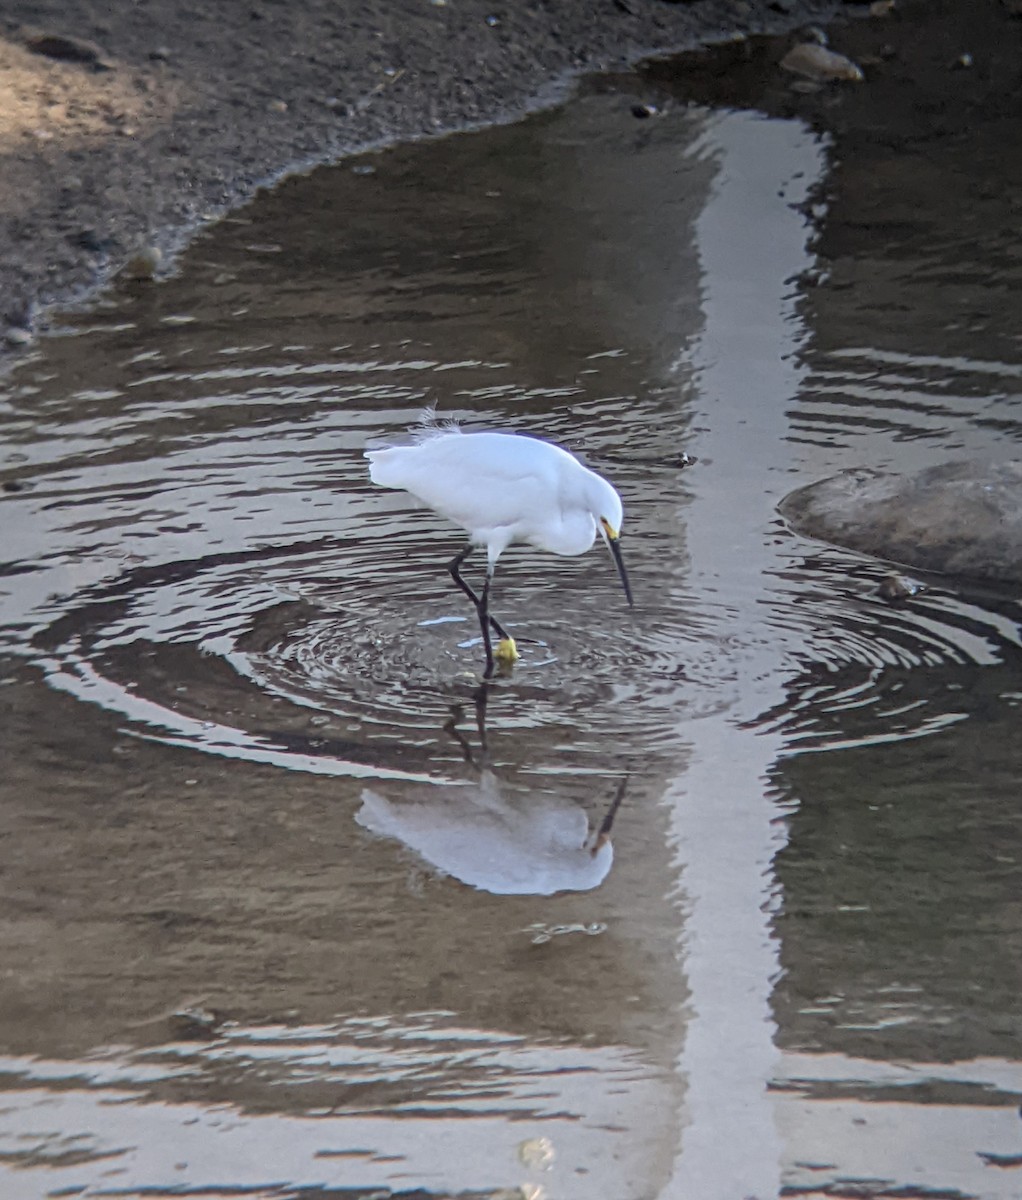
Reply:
x=959, y=518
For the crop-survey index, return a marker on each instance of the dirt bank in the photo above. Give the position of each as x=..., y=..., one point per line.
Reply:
x=164, y=114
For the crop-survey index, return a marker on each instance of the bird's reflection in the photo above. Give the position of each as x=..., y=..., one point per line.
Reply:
x=491, y=835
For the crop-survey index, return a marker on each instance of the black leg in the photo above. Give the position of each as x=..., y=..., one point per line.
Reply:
x=484, y=624
x=454, y=567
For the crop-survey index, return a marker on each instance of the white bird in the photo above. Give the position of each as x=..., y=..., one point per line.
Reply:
x=503, y=488
x=504, y=841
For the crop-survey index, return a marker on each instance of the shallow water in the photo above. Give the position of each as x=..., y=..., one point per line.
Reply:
x=230, y=663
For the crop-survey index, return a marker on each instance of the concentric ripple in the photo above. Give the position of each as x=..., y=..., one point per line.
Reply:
x=326, y=661
x=321, y=660
x=880, y=672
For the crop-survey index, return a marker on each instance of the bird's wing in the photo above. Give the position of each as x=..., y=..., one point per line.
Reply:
x=478, y=481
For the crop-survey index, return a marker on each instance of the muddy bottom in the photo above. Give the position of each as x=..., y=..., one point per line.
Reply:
x=294, y=907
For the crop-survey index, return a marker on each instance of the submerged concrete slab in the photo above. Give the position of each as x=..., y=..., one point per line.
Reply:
x=959, y=518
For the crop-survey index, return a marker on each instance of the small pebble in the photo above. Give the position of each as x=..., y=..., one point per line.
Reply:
x=642, y=111
x=194, y=1024
x=881, y=8
x=143, y=264
x=962, y=62
x=159, y=54
x=896, y=588
x=537, y=1153
x=20, y=313
x=817, y=62
x=64, y=47
x=89, y=239
x=277, y=106
x=16, y=336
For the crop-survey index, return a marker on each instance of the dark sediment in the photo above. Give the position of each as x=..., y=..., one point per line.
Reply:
x=130, y=124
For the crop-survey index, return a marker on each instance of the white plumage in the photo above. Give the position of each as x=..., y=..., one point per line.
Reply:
x=507, y=843
x=503, y=488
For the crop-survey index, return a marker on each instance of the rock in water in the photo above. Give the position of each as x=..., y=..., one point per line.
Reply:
x=896, y=589
x=143, y=264
x=63, y=46
x=960, y=518
x=814, y=61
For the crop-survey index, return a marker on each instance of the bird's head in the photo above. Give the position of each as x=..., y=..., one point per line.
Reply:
x=608, y=513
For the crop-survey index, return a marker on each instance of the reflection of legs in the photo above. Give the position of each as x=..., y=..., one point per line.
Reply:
x=454, y=567
x=480, y=697
x=451, y=727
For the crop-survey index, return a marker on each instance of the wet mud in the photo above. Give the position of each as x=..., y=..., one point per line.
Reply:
x=171, y=115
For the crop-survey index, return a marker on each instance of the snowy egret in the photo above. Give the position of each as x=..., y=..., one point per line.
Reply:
x=504, y=840
x=503, y=488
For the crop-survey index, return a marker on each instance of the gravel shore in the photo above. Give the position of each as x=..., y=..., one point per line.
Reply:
x=130, y=123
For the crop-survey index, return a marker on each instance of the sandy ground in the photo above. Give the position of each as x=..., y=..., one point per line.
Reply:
x=173, y=112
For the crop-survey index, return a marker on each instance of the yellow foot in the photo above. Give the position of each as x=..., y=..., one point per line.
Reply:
x=506, y=652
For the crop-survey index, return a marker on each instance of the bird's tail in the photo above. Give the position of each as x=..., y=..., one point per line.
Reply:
x=386, y=465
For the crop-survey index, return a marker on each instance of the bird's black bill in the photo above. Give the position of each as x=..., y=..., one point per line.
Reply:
x=615, y=549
